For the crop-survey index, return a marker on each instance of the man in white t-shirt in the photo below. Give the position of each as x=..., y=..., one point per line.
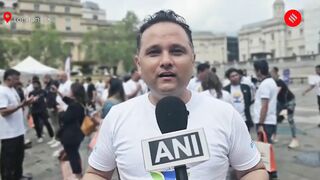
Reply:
x=64, y=89
x=135, y=85
x=265, y=104
x=165, y=58
x=195, y=82
x=241, y=95
x=314, y=82
x=12, y=128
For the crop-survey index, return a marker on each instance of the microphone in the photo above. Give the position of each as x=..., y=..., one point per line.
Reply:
x=172, y=115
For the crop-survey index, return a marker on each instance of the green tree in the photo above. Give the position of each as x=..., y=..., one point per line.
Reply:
x=113, y=44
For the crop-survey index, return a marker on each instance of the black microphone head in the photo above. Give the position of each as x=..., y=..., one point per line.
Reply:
x=171, y=114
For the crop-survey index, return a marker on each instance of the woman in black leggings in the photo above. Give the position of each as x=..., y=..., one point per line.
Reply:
x=39, y=111
x=70, y=134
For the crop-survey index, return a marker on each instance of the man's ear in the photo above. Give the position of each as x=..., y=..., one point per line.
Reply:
x=137, y=63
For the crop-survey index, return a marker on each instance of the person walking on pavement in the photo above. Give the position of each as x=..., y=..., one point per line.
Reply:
x=286, y=100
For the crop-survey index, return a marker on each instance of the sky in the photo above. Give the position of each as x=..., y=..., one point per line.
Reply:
x=204, y=15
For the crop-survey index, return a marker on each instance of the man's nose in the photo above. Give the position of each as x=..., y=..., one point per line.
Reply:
x=166, y=60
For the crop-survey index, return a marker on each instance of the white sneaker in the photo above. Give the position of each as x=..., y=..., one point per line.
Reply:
x=293, y=144
x=52, y=141
x=40, y=140
x=57, y=152
x=56, y=144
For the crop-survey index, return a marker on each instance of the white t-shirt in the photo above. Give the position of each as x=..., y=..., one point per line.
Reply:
x=131, y=86
x=267, y=90
x=226, y=97
x=65, y=90
x=11, y=126
x=238, y=100
x=195, y=85
x=119, y=141
x=315, y=81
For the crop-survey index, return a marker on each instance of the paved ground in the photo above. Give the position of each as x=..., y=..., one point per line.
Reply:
x=43, y=166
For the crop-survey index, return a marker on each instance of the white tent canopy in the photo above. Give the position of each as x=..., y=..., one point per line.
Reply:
x=32, y=66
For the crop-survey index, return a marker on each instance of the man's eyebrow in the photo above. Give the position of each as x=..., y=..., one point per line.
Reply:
x=152, y=47
x=178, y=46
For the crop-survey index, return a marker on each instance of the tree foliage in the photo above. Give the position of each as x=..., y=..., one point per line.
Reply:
x=43, y=44
x=110, y=45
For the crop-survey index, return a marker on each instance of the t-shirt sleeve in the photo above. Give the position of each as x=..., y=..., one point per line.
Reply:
x=243, y=154
x=103, y=155
x=4, y=102
x=265, y=92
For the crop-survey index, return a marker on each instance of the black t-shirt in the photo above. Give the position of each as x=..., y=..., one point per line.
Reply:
x=51, y=96
x=284, y=94
x=91, y=89
x=39, y=106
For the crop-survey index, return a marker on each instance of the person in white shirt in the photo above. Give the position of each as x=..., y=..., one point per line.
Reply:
x=241, y=95
x=212, y=86
x=314, y=82
x=12, y=128
x=64, y=88
x=265, y=104
x=165, y=58
x=134, y=86
x=195, y=82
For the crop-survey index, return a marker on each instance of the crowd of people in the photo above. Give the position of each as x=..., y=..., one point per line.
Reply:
x=124, y=107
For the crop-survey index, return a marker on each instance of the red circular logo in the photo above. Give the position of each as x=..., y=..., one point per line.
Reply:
x=292, y=18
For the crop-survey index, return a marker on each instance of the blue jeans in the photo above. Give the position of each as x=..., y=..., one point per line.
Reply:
x=289, y=106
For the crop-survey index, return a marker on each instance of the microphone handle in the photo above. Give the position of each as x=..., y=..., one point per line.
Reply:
x=181, y=172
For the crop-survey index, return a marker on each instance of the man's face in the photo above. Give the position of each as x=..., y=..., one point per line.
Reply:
x=318, y=71
x=63, y=77
x=13, y=80
x=165, y=59
x=234, y=78
x=46, y=79
x=203, y=74
x=274, y=74
x=258, y=74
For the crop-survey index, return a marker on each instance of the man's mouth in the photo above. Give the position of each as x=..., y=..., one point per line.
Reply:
x=166, y=74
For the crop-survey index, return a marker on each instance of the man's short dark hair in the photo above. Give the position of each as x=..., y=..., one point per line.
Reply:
x=10, y=72
x=318, y=66
x=262, y=66
x=35, y=78
x=89, y=79
x=164, y=16
x=214, y=70
x=231, y=70
x=202, y=67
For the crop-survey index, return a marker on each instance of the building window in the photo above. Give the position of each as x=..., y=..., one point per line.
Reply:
x=301, y=32
x=15, y=5
x=52, y=7
x=68, y=24
x=1, y=4
x=95, y=17
x=272, y=36
x=89, y=28
x=301, y=50
x=67, y=9
x=289, y=33
x=36, y=7
x=13, y=25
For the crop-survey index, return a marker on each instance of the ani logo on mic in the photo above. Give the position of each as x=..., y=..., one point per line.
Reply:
x=175, y=149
